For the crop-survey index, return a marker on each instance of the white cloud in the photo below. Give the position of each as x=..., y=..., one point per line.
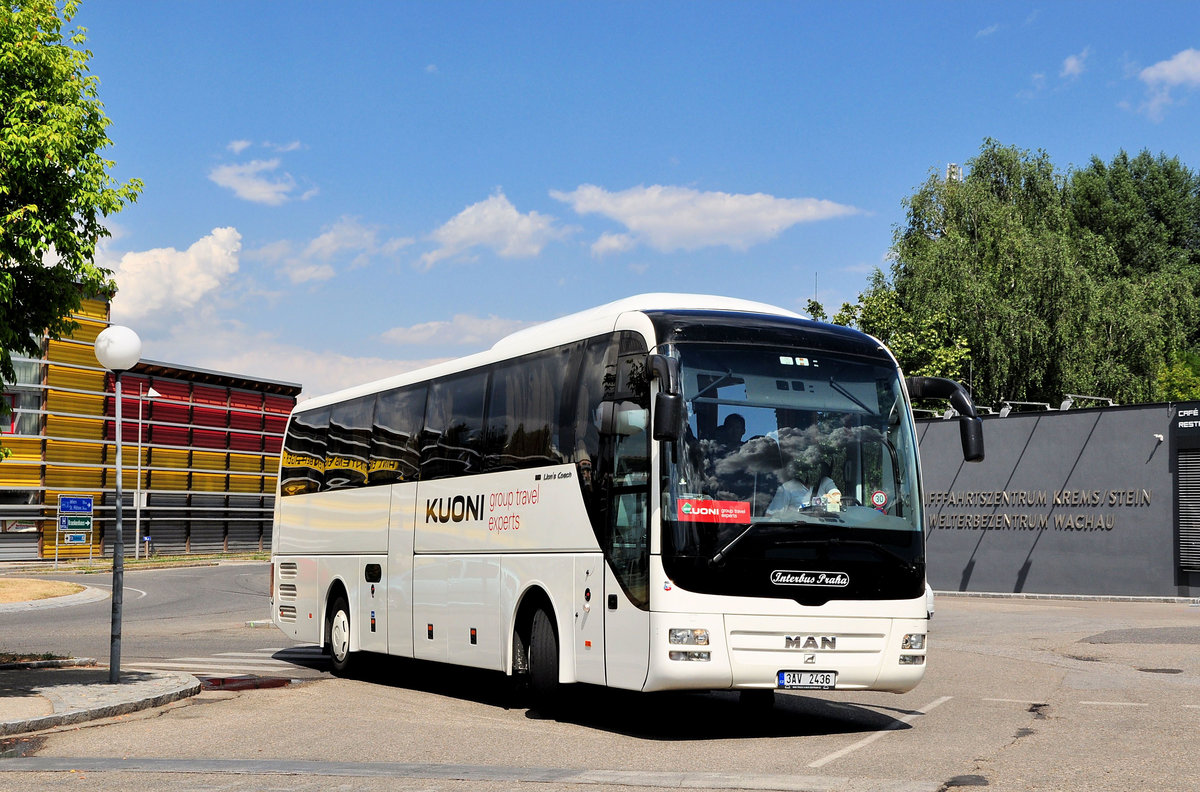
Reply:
x=238, y=146
x=346, y=241
x=612, y=243
x=680, y=218
x=1075, y=65
x=462, y=330
x=987, y=31
x=1180, y=70
x=230, y=346
x=160, y=285
x=496, y=224
x=254, y=181
x=1183, y=68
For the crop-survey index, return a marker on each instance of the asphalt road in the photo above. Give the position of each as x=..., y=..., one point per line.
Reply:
x=193, y=619
x=1020, y=695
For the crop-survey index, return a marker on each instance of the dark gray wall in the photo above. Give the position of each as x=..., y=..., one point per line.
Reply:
x=1071, y=502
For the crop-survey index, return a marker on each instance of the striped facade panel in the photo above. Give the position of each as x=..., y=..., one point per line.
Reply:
x=206, y=441
x=1188, y=509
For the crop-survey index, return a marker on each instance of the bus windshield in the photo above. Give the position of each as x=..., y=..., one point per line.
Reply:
x=797, y=460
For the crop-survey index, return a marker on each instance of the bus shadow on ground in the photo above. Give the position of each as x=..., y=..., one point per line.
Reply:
x=668, y=716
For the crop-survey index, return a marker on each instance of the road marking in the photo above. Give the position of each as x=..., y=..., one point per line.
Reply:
x=1017, y=701
x=907, y=719
x=1114, y=703
x=259, y=662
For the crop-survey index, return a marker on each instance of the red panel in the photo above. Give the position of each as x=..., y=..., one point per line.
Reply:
x=245, y=442
x=278, y=404
x=169, y=435
x=172, y=389
x=206, y=438
x=273, y=445
x=209, y=416
x=240, y=420
x=276, y=425
x=202, y=394
x=245, y=400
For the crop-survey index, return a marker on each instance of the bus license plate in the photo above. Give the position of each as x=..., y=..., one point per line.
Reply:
x=807, y=680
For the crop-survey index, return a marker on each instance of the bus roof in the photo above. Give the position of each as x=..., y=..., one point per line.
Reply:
x=565, y=329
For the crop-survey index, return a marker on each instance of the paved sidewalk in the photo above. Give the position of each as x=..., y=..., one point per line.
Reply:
x=36, y=698
x=49, y=693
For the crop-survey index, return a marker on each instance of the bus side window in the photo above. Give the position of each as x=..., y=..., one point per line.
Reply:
x=395, y=448
x=452, y=444
x=349, y=444
x=522, y=427
x=302, y=464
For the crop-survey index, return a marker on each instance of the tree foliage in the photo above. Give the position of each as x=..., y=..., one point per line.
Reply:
x=1030, y=283
x=55, y=187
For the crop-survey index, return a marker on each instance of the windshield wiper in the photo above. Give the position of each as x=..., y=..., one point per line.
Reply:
x=724, y=551
x=838, y=387
x=718, y=383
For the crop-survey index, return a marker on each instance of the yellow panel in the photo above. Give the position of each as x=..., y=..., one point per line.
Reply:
x=22, y=448
x=208, y=460
x=166, y=457
x=82, y=428
x=168, y=481
x=208, y=482
x=59, y=377
x=245, y=463
x=245, y=484
x=63, y=402
x=93, y=308
x=67, y=352
x=74, y=478
x=19, y=475
x=61, y=451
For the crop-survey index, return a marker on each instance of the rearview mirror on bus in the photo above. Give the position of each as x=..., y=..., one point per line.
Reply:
x=668, y=416
x=970, y=427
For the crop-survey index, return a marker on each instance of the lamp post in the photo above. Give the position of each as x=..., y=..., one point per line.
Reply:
x=137, y=500
x=118, y=349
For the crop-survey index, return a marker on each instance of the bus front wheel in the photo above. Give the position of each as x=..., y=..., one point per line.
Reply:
x=338, y=634
x=543, y=661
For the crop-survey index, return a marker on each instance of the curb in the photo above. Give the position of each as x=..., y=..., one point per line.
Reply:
x=167, y=688
x=66, y=662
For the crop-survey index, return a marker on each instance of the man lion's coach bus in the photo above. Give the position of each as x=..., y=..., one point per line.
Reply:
x=667, y=492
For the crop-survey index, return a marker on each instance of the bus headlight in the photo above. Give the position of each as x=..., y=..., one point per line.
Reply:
x=913, y=641
x=912, y=659
x=688, y=636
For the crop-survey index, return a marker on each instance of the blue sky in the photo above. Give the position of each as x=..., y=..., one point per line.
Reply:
x=338, y=192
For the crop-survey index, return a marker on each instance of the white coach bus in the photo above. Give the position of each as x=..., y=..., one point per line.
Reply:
x=667, y=492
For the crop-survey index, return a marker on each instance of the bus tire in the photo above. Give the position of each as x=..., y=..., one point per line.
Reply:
x=543, y=661
x=337, y=631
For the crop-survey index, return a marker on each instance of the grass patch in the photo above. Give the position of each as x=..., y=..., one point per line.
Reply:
x=15, y=657
x=24, y=589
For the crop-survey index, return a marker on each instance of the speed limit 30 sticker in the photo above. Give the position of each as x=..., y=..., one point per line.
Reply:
x=879, y=499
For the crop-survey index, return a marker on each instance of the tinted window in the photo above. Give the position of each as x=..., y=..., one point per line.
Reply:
x=302, y=465
x=525, y=426
x=349, y=444
x=452, y=444
x=395, y=448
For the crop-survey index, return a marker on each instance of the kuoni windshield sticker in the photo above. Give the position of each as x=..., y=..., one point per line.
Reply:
x=697, y=510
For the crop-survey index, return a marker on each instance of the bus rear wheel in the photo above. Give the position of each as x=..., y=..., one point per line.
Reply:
x=337, y=633
x=543, y=662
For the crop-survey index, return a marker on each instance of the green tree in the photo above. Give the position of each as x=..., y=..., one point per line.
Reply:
x=55, y=187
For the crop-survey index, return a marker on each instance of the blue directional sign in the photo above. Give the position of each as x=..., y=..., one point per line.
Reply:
x=75, y=539
x=75, y=504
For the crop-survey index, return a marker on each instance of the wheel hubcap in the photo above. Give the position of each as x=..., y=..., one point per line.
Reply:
x=339, y=635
